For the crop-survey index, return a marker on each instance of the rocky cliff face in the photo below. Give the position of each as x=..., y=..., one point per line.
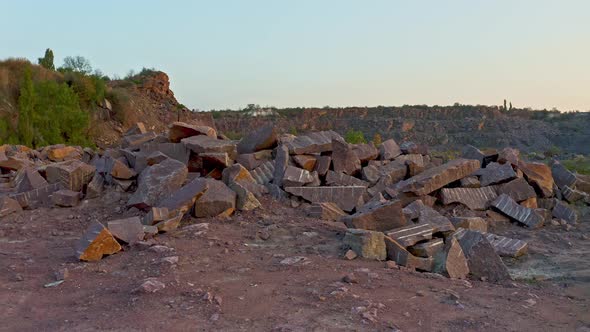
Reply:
x=441, y=127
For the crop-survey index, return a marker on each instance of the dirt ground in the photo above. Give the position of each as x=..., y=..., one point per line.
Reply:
x=272, y=270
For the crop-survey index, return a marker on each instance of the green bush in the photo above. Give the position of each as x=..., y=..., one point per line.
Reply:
x=355, y=137
x=579, y=164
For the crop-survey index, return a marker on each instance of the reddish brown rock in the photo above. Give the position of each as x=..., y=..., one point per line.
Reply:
x=401, y=256
x=95, y=186
x=347, y=198
x=496, y=173
x=411, y=234
x=470, y=182
x=524, y=215
x=261, y=139
x=427, y=249
x=120, y=171
x=509, y=156
x=28, y=179
x=156, y=214
x=8, y=206
x=181, y=200
x=129, y=230
x=539, y=175
x=341, y=179
x=37, y=197
x=134, y=142
x=326, y=211
x=315, y=142
x=366, y=244
x=137, y=128
x=96, y=242
x=181, y=130
x=366, y=152
x=482, y=259
x=306, y=162
x=518, y=189
x=206, y=144
x=451, y=261
x=296, y=177
x=62, y=152
x=254, y=160
x=530, y=203
x=157, y=182
x=414, y=148
x=371, y=174
x=472, y=223
x=155, y=158
x=389, y=150
x=218, y=200
x=170, y=224
x=473, y=198
x=344, y=159
x=437, y=177
x=427, y=215
x=66, y=198
x=245, y=199
x=377, y=217
x=73, y=174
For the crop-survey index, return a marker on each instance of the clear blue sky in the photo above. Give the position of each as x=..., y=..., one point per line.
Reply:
x=226, y=54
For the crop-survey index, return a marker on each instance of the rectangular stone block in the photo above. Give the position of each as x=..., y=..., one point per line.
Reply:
x=473, y=198
x=437, y=177
x=326, y=211
x=341, y=179
x=411, y=234
x=315, y=142
x=377, y=217
x=565, y=212
x=427, y=249
x=347, y=198
x=509, y=207
x=37, y=197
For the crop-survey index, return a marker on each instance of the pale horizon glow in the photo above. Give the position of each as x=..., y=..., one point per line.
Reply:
x=227, y=54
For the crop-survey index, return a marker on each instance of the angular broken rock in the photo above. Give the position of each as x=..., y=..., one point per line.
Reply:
x=509, y=207
x=438, y=177
x=344, y=158
x=565, y=212
x=27, y=179
x=170, y=224
x=389, y=149
x=264, y=173
x=156, y=214
x=472, y=223
x=96, y=242
x=508, y=247
x=518, y=189
x=366, y=152
x=246, y=200
x=473, y=198
x=471, y=152
x=95, y=186
x=496, y=173
x=280, y=164
x=182, y=200
x=451, y=260
x=128, y=230
x=377, y=217
x=66, y=198
x=530, y=203
x=539, y=175
x=396, y=252
x=218, y=200
x=427, y=215
x=427, y=249
x=341, y=179
x=253, y=160
x=134, y=142
x=8, y=206
x=155, y=158
x=37, y=197
x=137, y=128
x=326, y=211
x=366, y=244
x=562, y=176
x=62, y=152
x=347, y=198
x=207, y=144
x=411, y=234
x=306, y=162
x=158, y=182
x=470, y=182
x=150, y=285
x=482, y=259
x=73, y=174
x=509, y=156
x=371, y=174
x=180, y=130
x=296, y=177
x=322, y=164
x=176, y=151
x=240, y=175
x=120, y=171
x=263, y=138
x=572, y=195
x=315, y=142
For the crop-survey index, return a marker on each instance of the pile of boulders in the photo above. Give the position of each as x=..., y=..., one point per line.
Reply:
x=398, y=202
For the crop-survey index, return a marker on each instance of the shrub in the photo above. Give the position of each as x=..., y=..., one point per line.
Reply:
x=377, y=140
x=579, y=164
x=47, y=60
x=355, y=136
x=121, y=105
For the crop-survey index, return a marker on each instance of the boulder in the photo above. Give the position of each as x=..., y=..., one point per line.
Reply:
x=344, y=159
x=539, y=175
x=562, y=176
x=96, y=242
x=341, y=179
x=509, y=207
x=280, y=164
x=451, y=260
x=155, y=157
x=177, y=151
x=37, y=197
x=411, y=234
x=414, y=148
x=572, y=195
x=239, y=174
x=471, y=152
x=246, y=200
x=61, y=152
x=137, y=128
x=129, y=230
x=530, y=203
x=157, y=182
x=377, y=217
x=397, y=253
x=181, y=200
x=170, y=224
x=264, y=174
x=366, y=244
x=254, y=160
x=371, y=174
x=509, y=156
x=427, y=215
x=518, y=189
x=312, y=143
x=134, y=142
x=496, y=173
x=95, y=186
x=347, y=198
x=505, y=246
x=427, y=249
x=482, y=259
x=260, y=139
x=473, y=198
x=472, y=223
x=306, y=162
x=565, y=212
x=470, y=182
x=207, y=144
x=181, y=130
x=296, y=177
x=120, y=171
x=8, y=206
x=366, y=152
x=218, y=200
x=322, y=165
x=437, y=177
x=73, y=174
x=389, y=149
x=28, y=179
x=66, y=198
x=155, y=215
x=326, y=211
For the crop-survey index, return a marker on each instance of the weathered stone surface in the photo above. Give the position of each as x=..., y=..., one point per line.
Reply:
x=482, y=259
x=539, y=175
x=530, y=203
x=73, y=174
x=414, y=148
x=427, y=249
x=129, y=230
x=28, y=179
x=326, y=211
x=95, y=186
x=427, y=215
x=496, y=173
x=246, y=200
x=137, y=128
x=341, y=179
x=264, y=173
x=181, y=130
x=389, y=150
x=377, y=217
x=296, y=177
x=306, y=162
x=573, y=195
x=471, y=152
x=239, y=174
x=396, y=252
x=66, y=198
x=470, y=182
x=218, y=200
x=344, y=159
x=496, y=217
x=14, y=163
x=472, y=223
x=509, y=156
x=181, y=200
x=61, y=152
x=170, y=223
x=411, y=234
x=280, y=164
x=562, y=176
x=565, y=212
x=451, y=260
x=323, y=164
x=8, y=206
x=473, y=198
x=518, y=189
x=155, y=158
x=371, y=174
x=157, y=182
x=96, y=242
x=509, y=207
x=346, y=198
x=315, y=142
x=120, y=171
x=134, y=142
x=263, y=138
x=37, y=197
x=438, y=177
x=177, y=151
x=156, y=214
x=507, y=247
x=366, y=152
x=254, y=160
x=546, y=203
x=366, y=244
x=206, y=144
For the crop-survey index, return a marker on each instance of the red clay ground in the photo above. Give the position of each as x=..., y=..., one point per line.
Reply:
x=228, y=278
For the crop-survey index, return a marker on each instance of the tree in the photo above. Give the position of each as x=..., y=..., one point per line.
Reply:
x=26, y=108
x=78, y=64
x=47, y=60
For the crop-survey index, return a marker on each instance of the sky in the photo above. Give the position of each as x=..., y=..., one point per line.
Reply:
x=227, y=54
